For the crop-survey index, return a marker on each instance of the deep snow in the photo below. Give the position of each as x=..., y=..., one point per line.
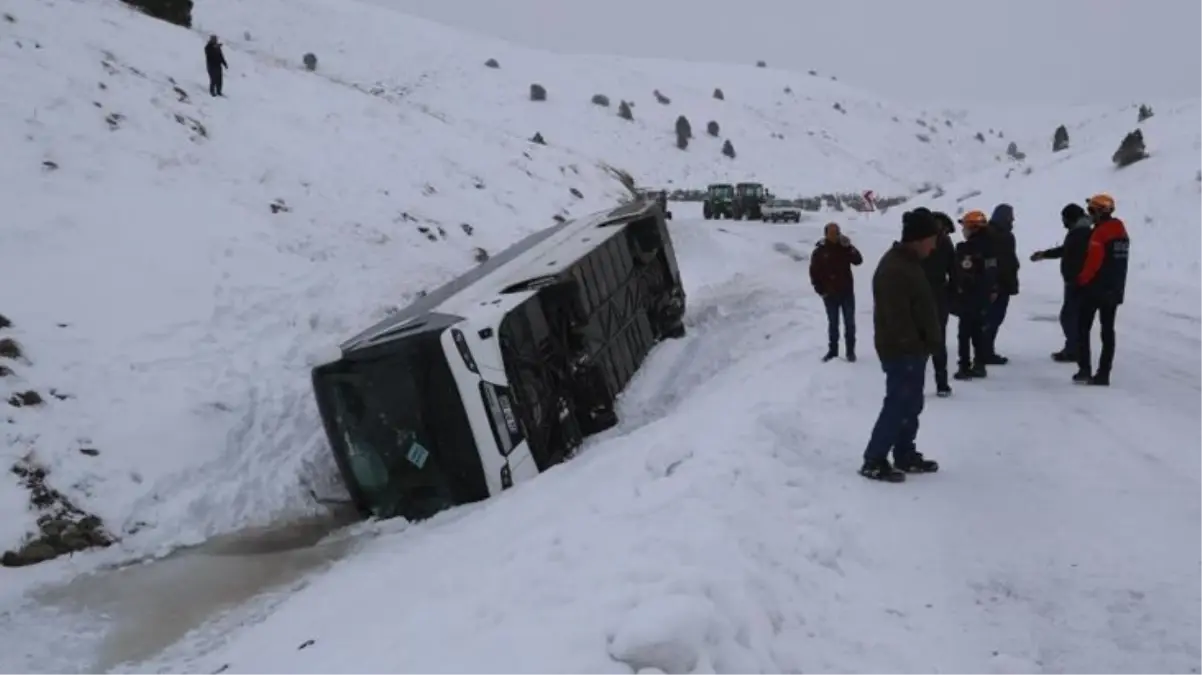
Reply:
x=721, y=526
x=154, y=284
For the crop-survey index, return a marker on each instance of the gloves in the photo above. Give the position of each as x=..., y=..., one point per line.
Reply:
x=1037, y=256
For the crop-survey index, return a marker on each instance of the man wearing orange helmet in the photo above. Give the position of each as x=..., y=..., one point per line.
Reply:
x=1102, y=281
x=976, y=291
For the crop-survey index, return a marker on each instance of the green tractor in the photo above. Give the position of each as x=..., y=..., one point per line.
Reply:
x=719, y=201
x=749, y=201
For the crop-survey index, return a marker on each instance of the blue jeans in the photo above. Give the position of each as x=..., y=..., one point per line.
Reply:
x=897, y=425
x=1070, y=309
x=845, y=304
x=994, y=319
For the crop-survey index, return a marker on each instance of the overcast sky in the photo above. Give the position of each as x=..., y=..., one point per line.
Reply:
x=1021, y=51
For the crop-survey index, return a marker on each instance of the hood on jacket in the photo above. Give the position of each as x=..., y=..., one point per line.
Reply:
x=1003, y=217
x=1083, y=221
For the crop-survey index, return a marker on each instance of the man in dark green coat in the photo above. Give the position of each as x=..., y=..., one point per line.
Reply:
x=906, y=333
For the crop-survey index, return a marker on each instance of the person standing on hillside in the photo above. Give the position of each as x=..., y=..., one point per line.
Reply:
x=1102, y=282
x=1001, y=226
x=215, y=63
x=906, y=331
x=1071, y=255
x=976, y=289
x=940, y=268
x=830, y=273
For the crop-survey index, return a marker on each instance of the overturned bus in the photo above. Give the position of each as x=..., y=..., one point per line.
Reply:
x=499, y=374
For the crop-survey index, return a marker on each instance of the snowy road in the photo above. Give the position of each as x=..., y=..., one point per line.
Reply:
x=722, y=527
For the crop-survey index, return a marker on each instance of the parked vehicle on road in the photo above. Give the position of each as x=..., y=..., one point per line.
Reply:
x=781, y=211
x=719, y=201
x=749, y=201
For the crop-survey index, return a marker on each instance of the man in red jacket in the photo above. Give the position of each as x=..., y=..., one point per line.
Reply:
x=830, y=272
x=1102, y=282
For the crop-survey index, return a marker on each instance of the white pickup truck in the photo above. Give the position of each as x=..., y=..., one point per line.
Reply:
x=780, y=211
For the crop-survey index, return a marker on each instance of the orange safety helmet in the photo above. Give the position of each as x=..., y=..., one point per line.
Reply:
x=1101, y=202
x=974, y=219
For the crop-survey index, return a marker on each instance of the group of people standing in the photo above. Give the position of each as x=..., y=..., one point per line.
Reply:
x=925, y=278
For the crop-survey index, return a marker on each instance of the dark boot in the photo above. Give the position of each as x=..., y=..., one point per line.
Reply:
x=1100, y=379
x=942, y=390
x=831, y=353
x=963, y=373
x=882, y=470
x=1082, y=377
x=851, y=353
x=916, y=463
x=996, y=360
x=978, y=371
x=1064, y=356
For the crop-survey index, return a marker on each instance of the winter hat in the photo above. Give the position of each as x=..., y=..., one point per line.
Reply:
x=918, y=224
x=1071, y=213
x=945, y=222
x=1003, y=214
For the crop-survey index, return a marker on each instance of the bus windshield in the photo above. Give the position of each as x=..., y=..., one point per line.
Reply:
x=390, y=421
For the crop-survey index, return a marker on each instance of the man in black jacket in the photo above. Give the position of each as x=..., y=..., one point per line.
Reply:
x=214, y=62
x=1071, y=255
x=1001, y=227
x=940, y=268
x=976, y=292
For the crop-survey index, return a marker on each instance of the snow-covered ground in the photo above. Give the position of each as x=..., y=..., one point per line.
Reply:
x=159, y=285
x=721, y=526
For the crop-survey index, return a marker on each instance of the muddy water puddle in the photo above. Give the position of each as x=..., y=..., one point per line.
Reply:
x=145, y=608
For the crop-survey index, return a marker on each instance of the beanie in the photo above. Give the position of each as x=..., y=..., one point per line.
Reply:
x=1071, y=213
x=918, y=224
x=945, y=222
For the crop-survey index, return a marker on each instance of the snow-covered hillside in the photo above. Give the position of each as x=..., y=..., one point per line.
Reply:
x=802, y=134
x=174, y=263
x=178, y=259
x=721, y=527
x=1158, y=196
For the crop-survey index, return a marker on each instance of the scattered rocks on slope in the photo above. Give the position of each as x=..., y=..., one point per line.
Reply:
x=10, y=349
x=1060, y=139
x=1131, y=150
x=24, y=399
x=63, y=527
